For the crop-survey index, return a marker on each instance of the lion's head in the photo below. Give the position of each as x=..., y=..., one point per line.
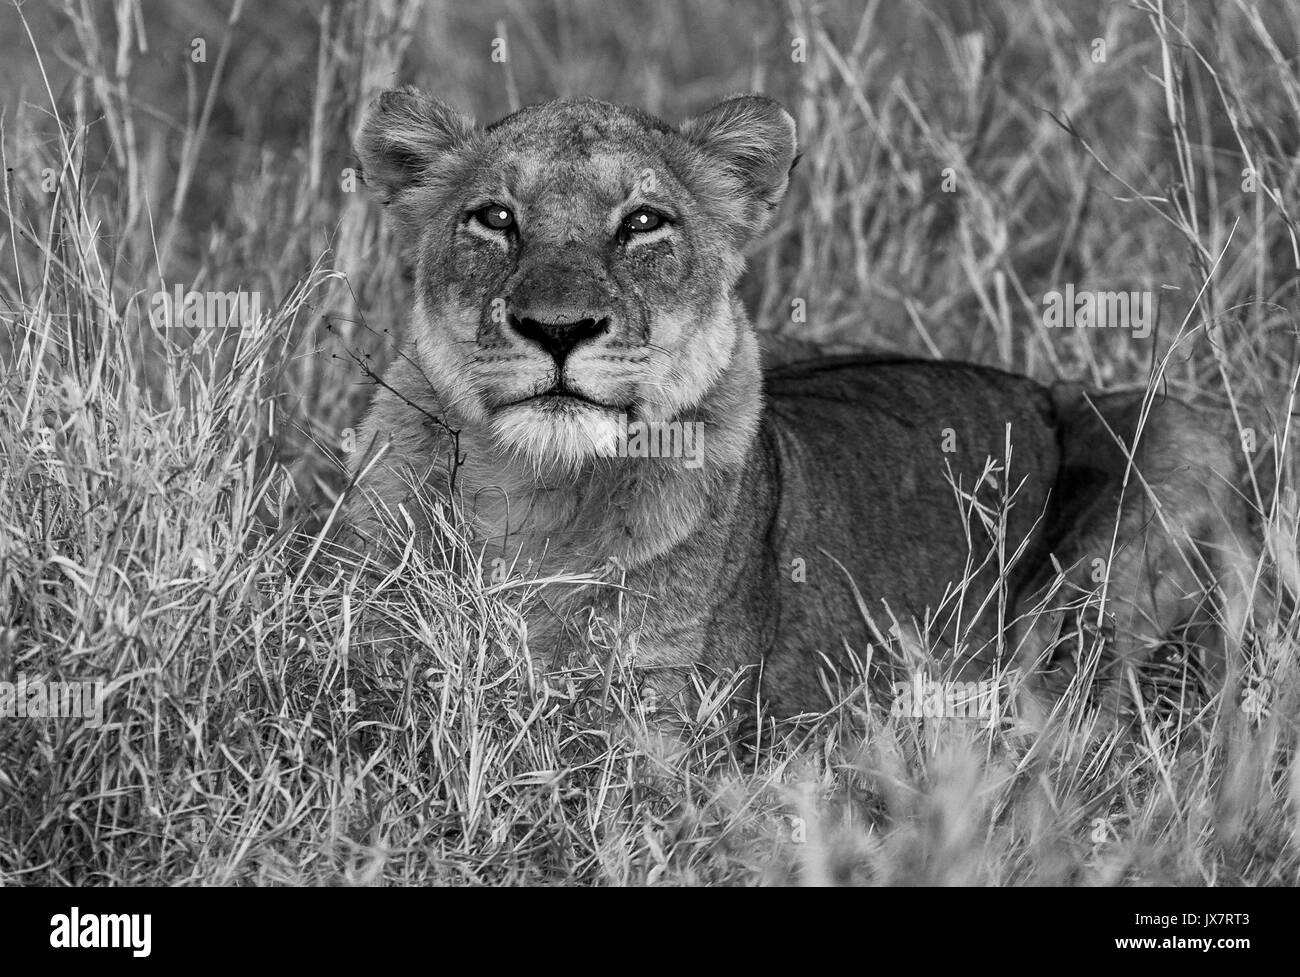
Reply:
x=574, y=262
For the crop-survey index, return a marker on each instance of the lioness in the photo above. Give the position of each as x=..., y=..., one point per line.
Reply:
x=575, y=269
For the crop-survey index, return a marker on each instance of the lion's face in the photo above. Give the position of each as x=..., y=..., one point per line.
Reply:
x=574, y=262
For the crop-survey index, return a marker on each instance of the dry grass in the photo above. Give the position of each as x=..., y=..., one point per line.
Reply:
x=163, y=490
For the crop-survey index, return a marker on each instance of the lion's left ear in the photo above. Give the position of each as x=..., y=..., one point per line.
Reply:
x=753, y=136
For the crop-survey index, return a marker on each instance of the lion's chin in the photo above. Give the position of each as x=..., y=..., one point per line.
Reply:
x=557, y=435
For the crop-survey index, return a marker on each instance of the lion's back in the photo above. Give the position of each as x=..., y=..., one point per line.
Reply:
x=866, y=411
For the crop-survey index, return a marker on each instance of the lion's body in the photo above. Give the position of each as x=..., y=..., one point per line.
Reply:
x=834, y=501
x=925, y=443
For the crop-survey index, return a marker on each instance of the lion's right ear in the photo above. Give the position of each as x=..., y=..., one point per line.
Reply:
x=402, y=137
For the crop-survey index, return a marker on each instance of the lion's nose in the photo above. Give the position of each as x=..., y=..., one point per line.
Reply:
x=560, y=338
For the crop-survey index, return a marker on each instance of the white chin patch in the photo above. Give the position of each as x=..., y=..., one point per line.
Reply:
x=557, y=437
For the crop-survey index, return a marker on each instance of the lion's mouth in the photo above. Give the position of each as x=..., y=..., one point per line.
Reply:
x=560, y=397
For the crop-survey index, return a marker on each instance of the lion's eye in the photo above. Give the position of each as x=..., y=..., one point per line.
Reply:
x=495, y=216
x=642, y=220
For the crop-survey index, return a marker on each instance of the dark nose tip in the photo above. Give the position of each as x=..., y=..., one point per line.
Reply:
x=560, y=338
